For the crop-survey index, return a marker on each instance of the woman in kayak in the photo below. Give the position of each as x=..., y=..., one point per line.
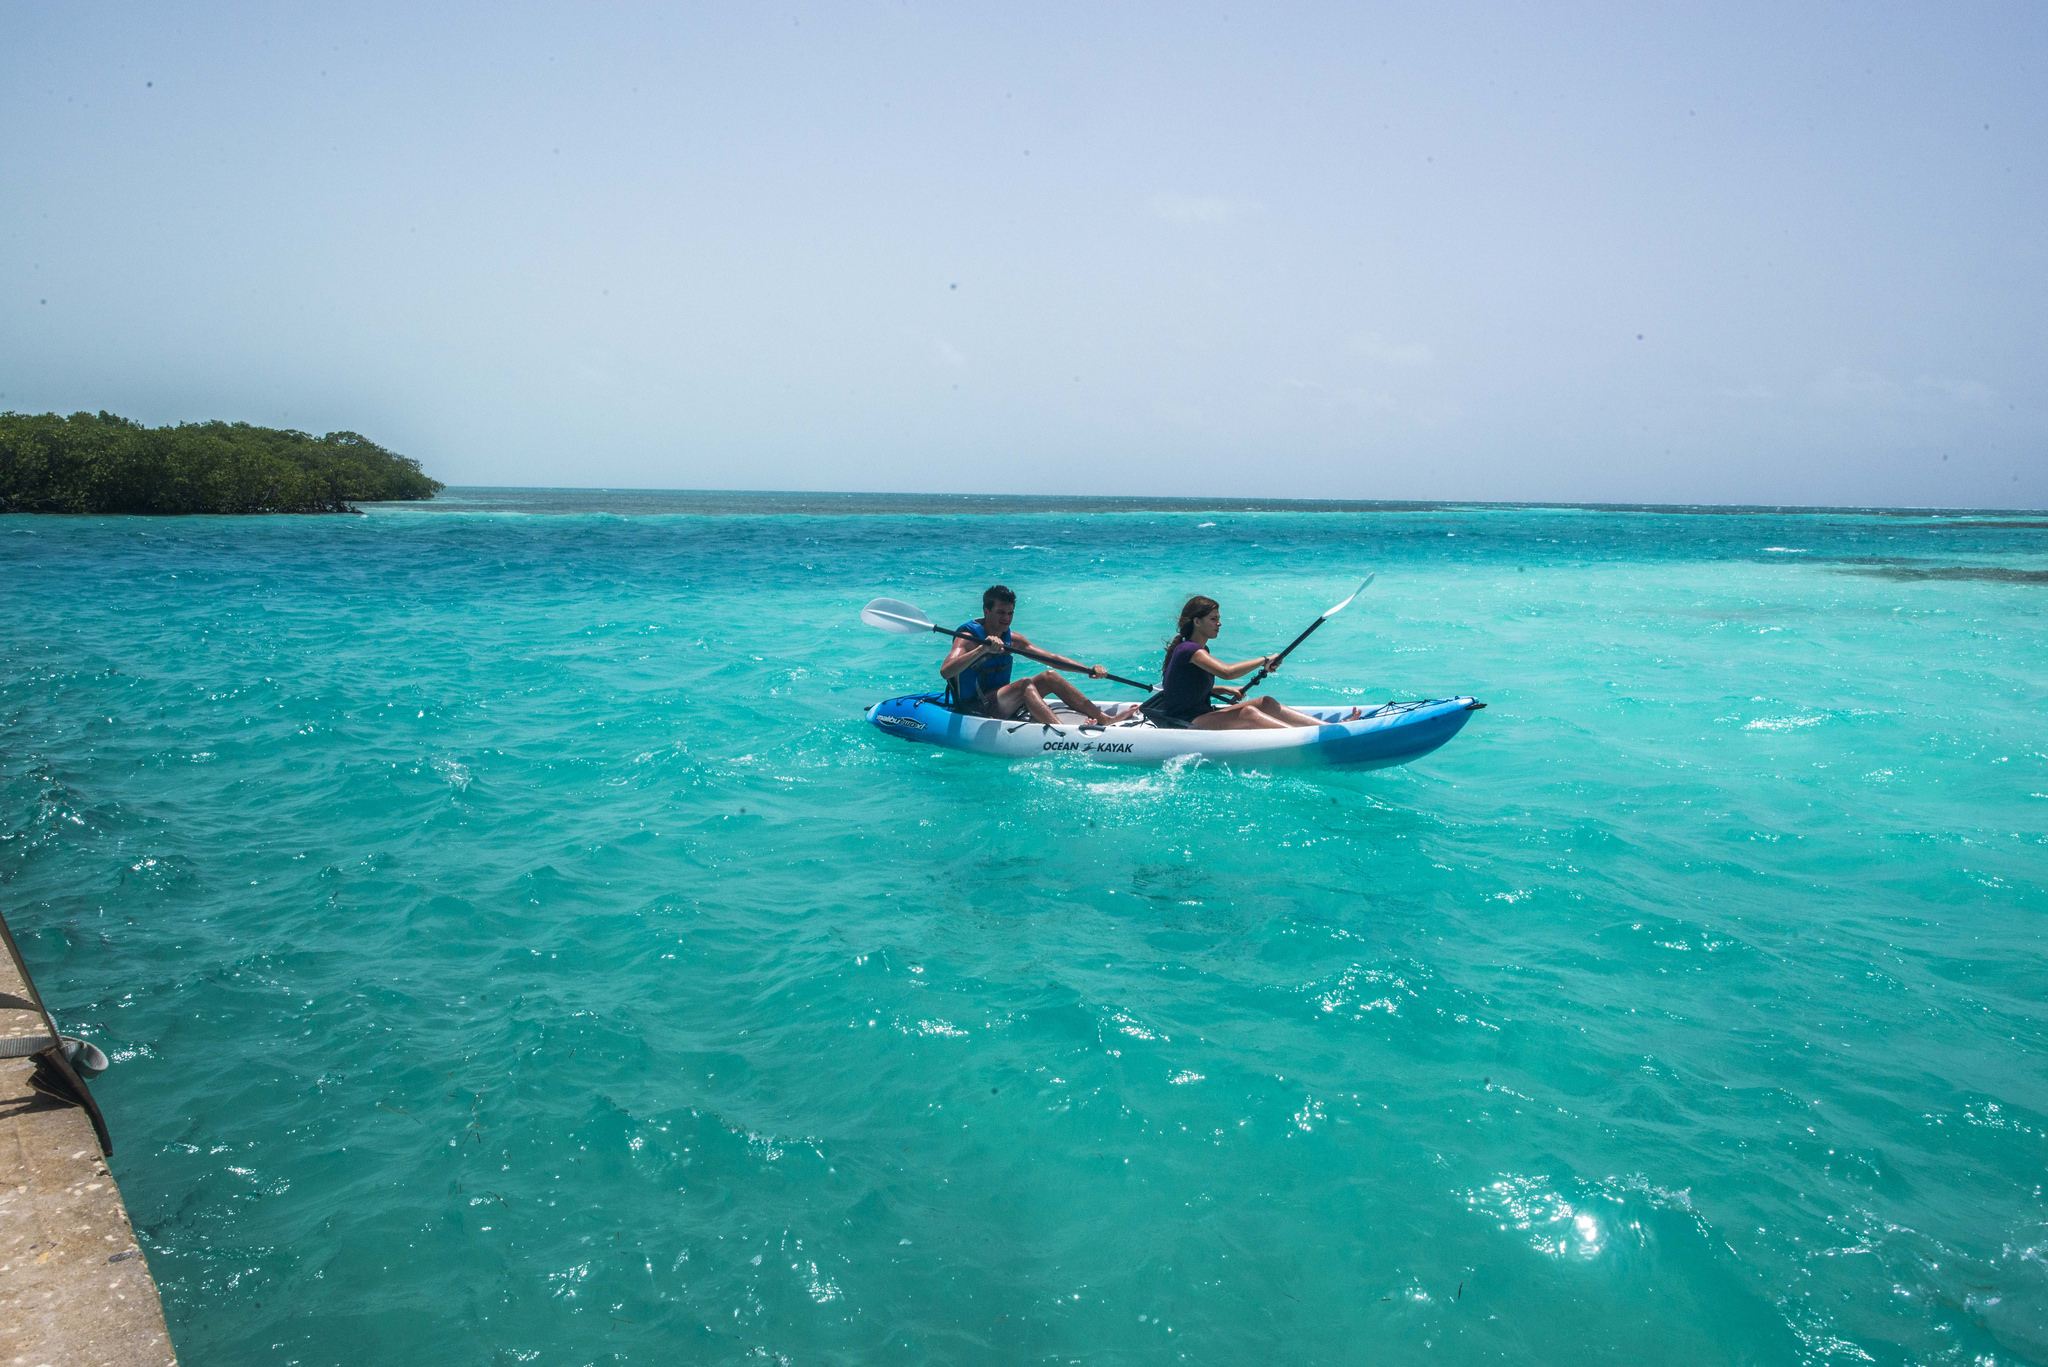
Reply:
x=1191, y=671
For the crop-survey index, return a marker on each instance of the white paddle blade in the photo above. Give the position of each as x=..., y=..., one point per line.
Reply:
x=893, y=614
x=1347, y=602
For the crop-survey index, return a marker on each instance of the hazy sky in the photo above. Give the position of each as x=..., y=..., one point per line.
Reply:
x=1714, y=253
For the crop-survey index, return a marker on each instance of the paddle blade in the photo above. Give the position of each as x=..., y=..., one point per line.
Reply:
x=893, y=614
x=1347, y=602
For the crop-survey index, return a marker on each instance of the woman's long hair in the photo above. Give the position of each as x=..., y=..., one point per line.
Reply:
x=1195, y=607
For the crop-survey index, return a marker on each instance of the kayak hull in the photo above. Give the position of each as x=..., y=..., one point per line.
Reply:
x=1390, y=734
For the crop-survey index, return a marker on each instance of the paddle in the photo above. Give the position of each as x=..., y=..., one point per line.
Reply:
x=893, y=614
x=1253, y=682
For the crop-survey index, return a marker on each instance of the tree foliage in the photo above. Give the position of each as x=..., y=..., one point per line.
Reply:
x=102, y=463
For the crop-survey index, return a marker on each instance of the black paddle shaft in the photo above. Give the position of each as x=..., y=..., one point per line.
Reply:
x=964, y=634
x=1254, y=680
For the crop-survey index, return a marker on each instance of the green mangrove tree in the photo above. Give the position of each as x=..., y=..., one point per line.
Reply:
x=103, y=463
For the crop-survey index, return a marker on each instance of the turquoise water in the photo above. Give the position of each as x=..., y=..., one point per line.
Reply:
x=515, y=948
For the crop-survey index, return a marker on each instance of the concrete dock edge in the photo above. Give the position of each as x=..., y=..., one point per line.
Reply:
x=75, y=1289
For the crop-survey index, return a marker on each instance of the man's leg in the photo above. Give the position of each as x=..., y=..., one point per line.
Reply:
x=1025, y=693
x=1022, y=693
x=1072, y=696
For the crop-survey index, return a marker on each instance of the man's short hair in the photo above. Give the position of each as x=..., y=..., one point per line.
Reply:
x=994, y=594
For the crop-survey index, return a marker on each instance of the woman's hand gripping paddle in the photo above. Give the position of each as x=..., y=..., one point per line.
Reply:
x=893, y=614
x=1254, y=680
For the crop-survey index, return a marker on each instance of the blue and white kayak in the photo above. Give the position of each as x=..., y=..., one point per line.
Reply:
x=1391, y=733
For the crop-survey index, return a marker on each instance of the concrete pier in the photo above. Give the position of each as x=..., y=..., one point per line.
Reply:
x=75, y=1289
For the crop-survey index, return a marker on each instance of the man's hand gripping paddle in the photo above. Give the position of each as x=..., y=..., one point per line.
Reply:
x=1254, y=680
x=893, y=614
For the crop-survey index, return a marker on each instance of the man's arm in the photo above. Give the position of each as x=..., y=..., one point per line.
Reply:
x=1057, y=661
x=965, y=652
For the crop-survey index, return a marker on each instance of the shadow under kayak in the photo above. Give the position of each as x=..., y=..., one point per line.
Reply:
x=1392, y=733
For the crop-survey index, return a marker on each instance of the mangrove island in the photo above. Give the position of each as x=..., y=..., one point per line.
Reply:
x=103, y=463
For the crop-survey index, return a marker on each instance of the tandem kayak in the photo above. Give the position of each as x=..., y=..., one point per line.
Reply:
x=1391, y=733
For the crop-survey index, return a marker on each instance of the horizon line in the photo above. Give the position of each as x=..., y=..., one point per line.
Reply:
x=1253, y=503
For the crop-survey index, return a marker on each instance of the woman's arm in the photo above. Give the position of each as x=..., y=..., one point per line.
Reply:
x=1202, y=659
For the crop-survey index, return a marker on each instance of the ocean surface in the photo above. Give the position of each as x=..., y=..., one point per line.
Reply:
x=514, y=947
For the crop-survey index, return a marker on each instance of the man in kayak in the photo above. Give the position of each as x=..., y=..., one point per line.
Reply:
x=977, y=671
x=1190, y=672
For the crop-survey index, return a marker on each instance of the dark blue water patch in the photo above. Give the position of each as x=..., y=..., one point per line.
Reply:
x=1909, y=571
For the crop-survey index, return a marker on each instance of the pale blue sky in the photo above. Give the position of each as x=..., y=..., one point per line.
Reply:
x=1717, y=253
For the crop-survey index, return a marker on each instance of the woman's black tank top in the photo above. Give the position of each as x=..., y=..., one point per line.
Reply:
x=1185, y=692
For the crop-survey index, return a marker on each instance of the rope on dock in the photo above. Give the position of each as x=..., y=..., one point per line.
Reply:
x=54, y=1076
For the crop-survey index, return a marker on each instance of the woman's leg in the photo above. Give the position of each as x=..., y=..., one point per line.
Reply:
x=1237, y=717
x=1273, y=707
